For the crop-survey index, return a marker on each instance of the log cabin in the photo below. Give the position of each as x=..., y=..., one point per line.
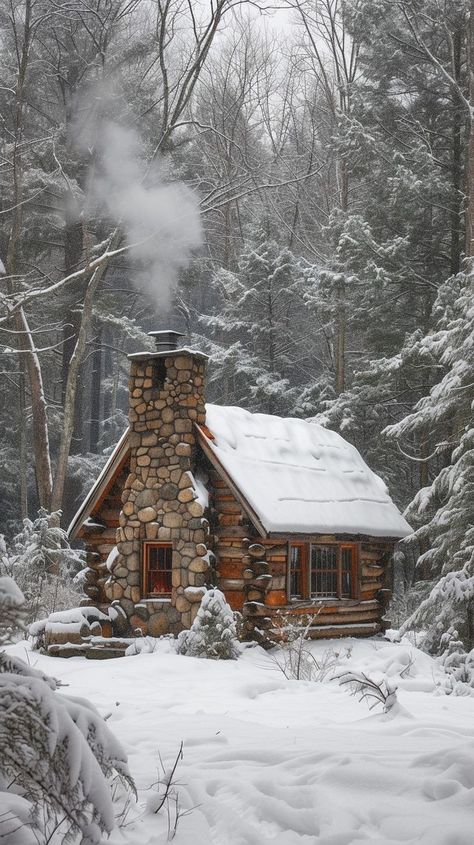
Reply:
x=283, y=515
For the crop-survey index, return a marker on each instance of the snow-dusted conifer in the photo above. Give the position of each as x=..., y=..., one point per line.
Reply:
x=213, y=633
x=256, y=330
x=42, y=564
x=443, y=512
x=57, y=754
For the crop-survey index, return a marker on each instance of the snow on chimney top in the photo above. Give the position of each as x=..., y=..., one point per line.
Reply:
x=166, y=340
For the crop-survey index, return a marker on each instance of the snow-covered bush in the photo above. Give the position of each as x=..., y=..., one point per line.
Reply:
x=372, y=691
x=213, y=633
x=457, y=664
x=142, y=645
x=58, y=758
x=42, y=563
x=11, y=609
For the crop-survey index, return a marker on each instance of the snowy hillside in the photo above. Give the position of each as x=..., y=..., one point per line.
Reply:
x=271, y=760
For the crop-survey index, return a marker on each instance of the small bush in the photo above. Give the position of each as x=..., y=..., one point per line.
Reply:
x=213, y=634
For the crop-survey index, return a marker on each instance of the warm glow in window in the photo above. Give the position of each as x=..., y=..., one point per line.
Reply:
x=157, y=569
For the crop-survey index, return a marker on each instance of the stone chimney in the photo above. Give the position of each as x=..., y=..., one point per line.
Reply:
x=162, y=556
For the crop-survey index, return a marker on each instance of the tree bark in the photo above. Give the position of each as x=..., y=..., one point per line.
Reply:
x=470, y=145
x=25, y=339
x=94, y=424
x=74, y=367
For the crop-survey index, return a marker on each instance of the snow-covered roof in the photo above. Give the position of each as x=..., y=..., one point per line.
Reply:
x=299, y=477
x=296, y=477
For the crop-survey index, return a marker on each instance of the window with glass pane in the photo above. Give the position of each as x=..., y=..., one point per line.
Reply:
x=346, y=567
x=157, y=569
x=324, y=571
x=296, y=571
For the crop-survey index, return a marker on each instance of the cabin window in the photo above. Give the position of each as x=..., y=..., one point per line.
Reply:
x=157, y=569
x=318, y=571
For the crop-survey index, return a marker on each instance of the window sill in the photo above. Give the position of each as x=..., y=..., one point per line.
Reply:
x=321, y=600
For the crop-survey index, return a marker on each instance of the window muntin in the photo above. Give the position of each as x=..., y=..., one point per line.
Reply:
x=157, y=569
x=318, y=571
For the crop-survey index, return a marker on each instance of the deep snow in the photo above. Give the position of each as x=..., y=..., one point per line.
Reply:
x=284, y=761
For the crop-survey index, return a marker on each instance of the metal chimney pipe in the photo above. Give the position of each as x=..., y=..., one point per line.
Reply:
x=167, y=340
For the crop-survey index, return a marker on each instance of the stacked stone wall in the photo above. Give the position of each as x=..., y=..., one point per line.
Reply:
x=159, y=501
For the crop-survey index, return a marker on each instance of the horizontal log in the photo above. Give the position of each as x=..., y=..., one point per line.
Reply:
x=228, y=585
x=228, y=553
x=278, y=569
x=230, y=570
x=228, y=508
x=372, y=571
x=276, y=598
x=229, y=519
x=222, y=496
x=236, y=599
x=367, y=595
x=279, y=550
x=223, y=532
x=276, y=558
x=341, y=606
x=337, y=631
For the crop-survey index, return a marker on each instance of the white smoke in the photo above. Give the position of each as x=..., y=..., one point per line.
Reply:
x=160, y=218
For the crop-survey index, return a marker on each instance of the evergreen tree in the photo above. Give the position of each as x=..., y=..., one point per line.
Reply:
x=213, y=634
x=442, y=513
x=260, y=333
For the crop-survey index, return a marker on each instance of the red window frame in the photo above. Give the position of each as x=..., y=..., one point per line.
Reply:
x=156, y=573
x=304, y=579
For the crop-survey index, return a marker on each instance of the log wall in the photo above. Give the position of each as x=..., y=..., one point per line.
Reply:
x=100, y=539
x=252, y=572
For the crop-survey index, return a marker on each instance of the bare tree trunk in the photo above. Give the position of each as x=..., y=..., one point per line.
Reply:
x=95, y=394
x=341, y=317
x=23, y=444
x=39, y=412
x=74, y=367
x=470, y=147
x=25, y=342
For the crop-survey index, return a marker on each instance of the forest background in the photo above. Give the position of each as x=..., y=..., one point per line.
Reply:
x=287, y=183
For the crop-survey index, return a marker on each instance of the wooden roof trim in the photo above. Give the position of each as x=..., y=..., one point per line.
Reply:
x=211, y=455
x=101, y=486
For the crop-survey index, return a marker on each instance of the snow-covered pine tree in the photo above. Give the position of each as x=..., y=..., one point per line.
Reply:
x=57, y=755
x=42, y=563
x=401, y=235
x=213, y=634
x=442, y=513
x=257, y=336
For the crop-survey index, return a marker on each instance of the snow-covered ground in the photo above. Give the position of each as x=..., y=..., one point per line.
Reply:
x=289, y=762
